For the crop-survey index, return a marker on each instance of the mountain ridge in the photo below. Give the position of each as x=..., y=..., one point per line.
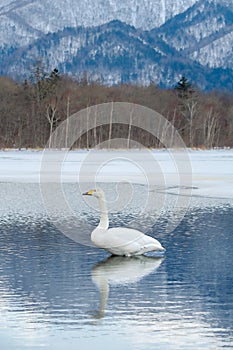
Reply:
x=117, y=52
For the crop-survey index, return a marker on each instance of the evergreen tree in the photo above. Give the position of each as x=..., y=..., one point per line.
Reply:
x=184, y=88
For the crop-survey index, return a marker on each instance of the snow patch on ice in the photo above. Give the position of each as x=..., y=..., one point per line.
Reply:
x=212, y=170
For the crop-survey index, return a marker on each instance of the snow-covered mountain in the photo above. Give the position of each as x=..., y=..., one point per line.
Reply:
x=22, y=21
x=204, y=32
x=49, y=16
x=120, y=40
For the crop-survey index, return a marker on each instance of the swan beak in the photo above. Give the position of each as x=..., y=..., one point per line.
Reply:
x=89, y=193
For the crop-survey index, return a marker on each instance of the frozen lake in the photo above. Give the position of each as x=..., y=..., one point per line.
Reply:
x=56, y=293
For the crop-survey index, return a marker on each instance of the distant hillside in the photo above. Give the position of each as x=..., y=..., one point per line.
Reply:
x=196, y=43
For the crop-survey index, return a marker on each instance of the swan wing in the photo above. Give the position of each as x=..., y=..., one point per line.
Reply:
x=125, y=241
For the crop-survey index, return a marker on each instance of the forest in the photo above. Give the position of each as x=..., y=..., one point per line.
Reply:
x=30, y=111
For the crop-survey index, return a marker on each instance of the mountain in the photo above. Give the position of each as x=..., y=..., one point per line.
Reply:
x=23, y=19
x=196, y=43
x=203, y=33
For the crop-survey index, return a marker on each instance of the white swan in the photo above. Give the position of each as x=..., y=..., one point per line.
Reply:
x=120, y=240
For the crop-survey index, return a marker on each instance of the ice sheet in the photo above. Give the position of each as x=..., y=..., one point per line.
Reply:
x=208, y=172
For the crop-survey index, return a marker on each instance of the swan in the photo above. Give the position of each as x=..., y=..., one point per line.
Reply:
x=120, y=240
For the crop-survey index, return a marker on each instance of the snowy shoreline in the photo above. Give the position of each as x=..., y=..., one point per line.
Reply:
x=210, y=171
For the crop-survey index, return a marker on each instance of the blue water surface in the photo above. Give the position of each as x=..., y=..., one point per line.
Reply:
x=57, y=294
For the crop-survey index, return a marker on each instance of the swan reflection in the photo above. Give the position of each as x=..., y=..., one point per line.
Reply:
x=117, y=270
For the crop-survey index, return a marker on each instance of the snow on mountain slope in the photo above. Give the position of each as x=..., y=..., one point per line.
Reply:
x=112, y=53
x=218, y=53
x=47, y=16
x=79, y=36
x=204, y=33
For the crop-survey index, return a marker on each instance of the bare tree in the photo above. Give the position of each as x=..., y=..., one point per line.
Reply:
x=67, y=119
x=51, y=110
x=211, y=128
x=30, y=112
x=130, y=127
x=110, y=126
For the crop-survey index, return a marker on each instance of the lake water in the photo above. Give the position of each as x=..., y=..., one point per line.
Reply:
x=57, y=294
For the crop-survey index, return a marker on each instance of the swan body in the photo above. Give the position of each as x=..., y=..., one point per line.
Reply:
x=120, y=240
x=124, y=241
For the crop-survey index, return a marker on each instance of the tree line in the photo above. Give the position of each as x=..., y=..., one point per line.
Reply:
x=30, y=111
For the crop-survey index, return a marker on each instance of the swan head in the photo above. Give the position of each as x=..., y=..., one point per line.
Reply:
x=98, y=193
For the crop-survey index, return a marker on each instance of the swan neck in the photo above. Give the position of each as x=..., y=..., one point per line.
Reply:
x=103, y=224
